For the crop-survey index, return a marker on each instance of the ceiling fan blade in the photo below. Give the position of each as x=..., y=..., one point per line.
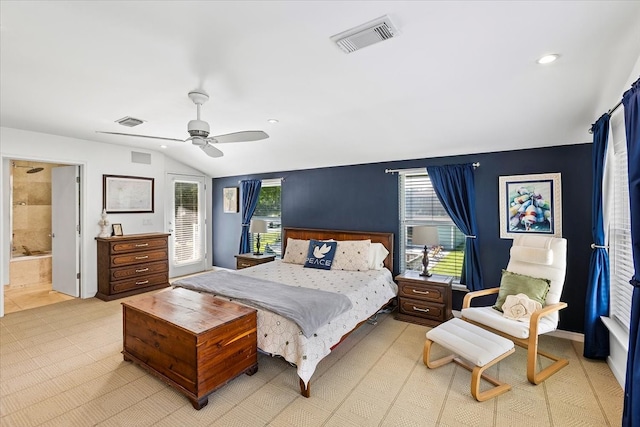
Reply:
x=249, y=135
x=211, y=150
x=141, y=136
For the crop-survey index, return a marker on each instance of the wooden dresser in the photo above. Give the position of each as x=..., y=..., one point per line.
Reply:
x=424, y=300
x=193, y=341
x=249, y=260
x=128, y=265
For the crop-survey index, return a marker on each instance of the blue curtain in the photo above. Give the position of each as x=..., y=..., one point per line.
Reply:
x=454, y=186
x=631, y=103
x=250, y=191
x=596, y=335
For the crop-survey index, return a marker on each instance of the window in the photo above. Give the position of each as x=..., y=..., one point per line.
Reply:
x=620, y=251
x=188, y=219
x=419, y=206
x=268, y=209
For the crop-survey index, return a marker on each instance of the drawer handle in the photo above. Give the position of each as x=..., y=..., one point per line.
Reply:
x=420, y=292
x=245, y=265
x=424, y=310
x=142, y=245
x=142, y=270
x=142, y=257
x=144, y=282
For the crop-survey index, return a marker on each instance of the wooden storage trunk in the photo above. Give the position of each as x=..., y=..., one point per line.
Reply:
x=192, y=341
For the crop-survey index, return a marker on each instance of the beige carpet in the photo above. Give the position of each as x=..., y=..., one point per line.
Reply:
x=60, y=365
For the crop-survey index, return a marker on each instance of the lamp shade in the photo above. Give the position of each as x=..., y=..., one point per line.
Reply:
x=425, y=236
x=258, y=226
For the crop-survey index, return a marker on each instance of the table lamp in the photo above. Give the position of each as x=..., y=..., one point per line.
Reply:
x=258, y=226
x=426, y=236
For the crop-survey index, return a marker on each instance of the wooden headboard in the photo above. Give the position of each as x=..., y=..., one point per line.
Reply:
x=309, y=233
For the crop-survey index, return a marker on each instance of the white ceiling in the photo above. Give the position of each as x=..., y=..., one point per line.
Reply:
x=459, y=78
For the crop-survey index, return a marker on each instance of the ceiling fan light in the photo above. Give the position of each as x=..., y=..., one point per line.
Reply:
x=548, y=59
x=198, y=128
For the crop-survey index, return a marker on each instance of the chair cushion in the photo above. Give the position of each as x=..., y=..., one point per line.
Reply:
x=540, y=256
x=514, y=283
x=494, y=319
x=470, y=342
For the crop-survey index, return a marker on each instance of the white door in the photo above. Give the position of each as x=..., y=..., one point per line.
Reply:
x=186, y=223
x=65, y=208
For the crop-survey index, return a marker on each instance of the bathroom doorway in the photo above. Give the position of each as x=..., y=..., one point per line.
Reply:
x=33, y=258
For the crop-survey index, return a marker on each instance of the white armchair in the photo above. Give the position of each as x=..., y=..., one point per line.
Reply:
x=535, y=256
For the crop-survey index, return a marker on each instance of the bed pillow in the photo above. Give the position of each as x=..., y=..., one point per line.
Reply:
x=514, y=283
x=377, y=255
x=352, y=255
x=320, y=254
x=296, y=252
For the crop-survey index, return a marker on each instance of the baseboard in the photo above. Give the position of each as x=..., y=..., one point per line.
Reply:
x=567, y=335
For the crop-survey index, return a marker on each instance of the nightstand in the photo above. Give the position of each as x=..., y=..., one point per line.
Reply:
x=424, y=300
x=250, y=260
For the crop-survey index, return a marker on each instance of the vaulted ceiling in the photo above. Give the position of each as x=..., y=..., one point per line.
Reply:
x=458, y=77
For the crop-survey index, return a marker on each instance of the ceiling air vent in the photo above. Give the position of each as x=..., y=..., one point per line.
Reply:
x=129, y=121
x=366, y=34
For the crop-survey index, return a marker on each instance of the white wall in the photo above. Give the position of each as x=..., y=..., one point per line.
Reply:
x=95, y=159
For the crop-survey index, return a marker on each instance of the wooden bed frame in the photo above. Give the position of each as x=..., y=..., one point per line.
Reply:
x=319, y=234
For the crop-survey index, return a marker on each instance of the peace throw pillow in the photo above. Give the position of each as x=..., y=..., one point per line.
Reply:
x=320, y=254
x=514, y=283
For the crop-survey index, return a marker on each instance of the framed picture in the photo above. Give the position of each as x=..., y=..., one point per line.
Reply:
x=530, y=204
x=117, y=229
x=127, y=194
x=230, y=199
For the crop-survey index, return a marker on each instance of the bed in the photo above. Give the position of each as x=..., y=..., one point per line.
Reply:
x=368, y=291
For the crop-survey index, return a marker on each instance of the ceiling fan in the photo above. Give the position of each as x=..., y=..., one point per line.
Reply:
x=199, y=131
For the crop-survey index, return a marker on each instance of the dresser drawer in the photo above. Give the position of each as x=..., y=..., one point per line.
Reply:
x=423, y=292
x=138, y=258
x=133, y=271
x=138, y=245
x=139, y=282
x=425, y=310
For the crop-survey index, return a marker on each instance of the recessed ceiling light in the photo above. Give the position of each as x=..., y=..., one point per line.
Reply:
x=163, y=146
x=273, y=121
x=547, y=59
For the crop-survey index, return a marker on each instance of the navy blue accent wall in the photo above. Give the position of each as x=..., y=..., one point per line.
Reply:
x=364, y=197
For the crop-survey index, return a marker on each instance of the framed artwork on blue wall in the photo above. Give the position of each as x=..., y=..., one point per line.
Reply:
x=230, y=199
x=530, y=204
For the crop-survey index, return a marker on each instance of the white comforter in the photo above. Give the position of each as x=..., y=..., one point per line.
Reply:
x=368, y=291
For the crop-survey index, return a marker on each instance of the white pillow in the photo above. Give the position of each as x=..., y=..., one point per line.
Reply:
x=377, y=255
x=352, y=255
x=296, y=252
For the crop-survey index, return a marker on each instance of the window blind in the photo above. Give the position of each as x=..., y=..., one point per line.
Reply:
x=419, y=205
x=187, y=242
x=269, y=209
x=620, y=251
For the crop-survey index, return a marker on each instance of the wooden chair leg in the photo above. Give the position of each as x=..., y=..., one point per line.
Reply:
x=477, y=372
x=532, y=361
x=426, y=355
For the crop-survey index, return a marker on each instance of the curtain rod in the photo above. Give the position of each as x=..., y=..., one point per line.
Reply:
x=280, y=178
x=475, y=166
x=610, y=112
